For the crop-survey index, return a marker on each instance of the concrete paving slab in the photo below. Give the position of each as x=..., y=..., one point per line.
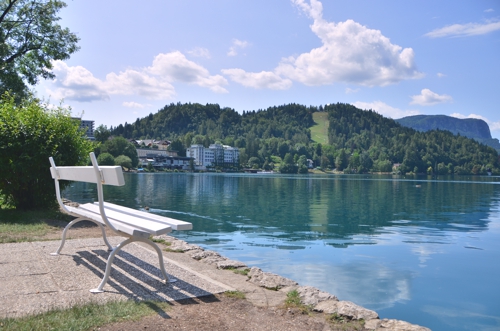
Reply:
x=33, y=281
x=22, y=268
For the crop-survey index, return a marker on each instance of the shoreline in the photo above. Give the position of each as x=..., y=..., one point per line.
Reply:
x=319, y=301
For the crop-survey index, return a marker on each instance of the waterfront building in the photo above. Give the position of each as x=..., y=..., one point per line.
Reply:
x=161, y=159
x=216, y=155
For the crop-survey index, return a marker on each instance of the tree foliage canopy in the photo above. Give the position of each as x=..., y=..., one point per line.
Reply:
x=384, y=140
x=359, y=141
x=30, y=39
x=29, y=134
x=121, y=146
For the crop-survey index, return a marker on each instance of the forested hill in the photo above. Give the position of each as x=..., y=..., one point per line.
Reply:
x=358, y=141
x=380, y=139
x=469, y=127
x=218, y=123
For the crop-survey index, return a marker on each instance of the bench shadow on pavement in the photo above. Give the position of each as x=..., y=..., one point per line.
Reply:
x=141, y=280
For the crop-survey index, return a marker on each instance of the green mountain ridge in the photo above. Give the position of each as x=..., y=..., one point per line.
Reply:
x=356, y=141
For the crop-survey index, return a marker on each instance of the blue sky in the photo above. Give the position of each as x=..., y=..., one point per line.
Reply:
x=398, y=58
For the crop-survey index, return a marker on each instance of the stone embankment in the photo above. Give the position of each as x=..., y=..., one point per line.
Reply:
x=319, y=301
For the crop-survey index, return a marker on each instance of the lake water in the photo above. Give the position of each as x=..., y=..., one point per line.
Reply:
x=420, y=249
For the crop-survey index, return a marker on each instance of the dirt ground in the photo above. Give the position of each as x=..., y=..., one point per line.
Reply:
x=215, y=312
x=223, y=313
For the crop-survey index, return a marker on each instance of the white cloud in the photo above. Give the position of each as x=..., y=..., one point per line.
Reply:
x=76, y=83
x=175, y=66
x=133, y=82
x=351, y=53
x=429, y=98
x=464, y=30
x=350, y=90
x=155, y=82
x=440, y=75
x=237, y=44
x=258, y=80
x=384, y=109
x=494, y=126
x=200, y=52
x=490, y=10
x=133, y=104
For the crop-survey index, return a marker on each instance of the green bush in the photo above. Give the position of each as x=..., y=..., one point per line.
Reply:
x=123, y=161
x=106, y=159
x=30, y=133
x=121, y=146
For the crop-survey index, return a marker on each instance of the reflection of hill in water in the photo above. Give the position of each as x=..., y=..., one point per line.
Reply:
x=335, y=208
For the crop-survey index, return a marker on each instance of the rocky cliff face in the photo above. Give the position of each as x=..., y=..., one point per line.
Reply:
x=469, y=127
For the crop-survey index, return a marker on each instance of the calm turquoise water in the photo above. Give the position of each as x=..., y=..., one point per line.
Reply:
x=418, y=249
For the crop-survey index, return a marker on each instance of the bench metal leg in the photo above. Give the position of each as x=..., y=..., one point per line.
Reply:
x=160, y=257
x=73, y=222
x=115, y=251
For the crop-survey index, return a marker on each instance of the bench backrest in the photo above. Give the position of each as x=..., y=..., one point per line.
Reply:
x=108, y=175
x=111, y=175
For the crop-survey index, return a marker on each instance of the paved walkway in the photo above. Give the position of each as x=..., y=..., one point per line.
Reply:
x=33, y=281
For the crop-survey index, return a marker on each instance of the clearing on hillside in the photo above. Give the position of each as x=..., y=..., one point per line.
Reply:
x=319, y=131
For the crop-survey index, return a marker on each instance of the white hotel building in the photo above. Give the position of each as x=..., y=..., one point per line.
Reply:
x=213, y=156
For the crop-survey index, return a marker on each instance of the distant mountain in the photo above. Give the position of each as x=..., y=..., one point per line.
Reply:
x=469, y=127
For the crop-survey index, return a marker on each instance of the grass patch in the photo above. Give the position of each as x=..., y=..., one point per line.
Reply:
x=22, y=226
x=161, y=241
x=319, y=131
x=243, y=272
x=173, y=250
x=235, y=294
x=339, y=322
x=84, y=317
x=293, y=301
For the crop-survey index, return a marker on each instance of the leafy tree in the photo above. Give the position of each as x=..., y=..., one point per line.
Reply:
x=121, y=146
x=341, y=160
x=178, y=147
x=123, y=161
x=102, y=133
x=288, y=167
x=30, y=133
x=30, y=39
x=254, y=162
x=366, y=162
x=325, y=163
x=106, y=159
x=302, y=165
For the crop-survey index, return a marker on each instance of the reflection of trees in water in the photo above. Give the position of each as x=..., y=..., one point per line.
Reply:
x=310, y=207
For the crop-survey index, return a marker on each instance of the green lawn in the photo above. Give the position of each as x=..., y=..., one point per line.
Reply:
x=319, y=131
x=85, y=317
x=19, y=226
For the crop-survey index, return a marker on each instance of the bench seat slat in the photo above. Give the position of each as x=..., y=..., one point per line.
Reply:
x=175, y=224
x=77, y=212
x=137, y=221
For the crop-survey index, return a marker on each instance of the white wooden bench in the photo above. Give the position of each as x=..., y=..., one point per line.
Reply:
x=134, y=224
